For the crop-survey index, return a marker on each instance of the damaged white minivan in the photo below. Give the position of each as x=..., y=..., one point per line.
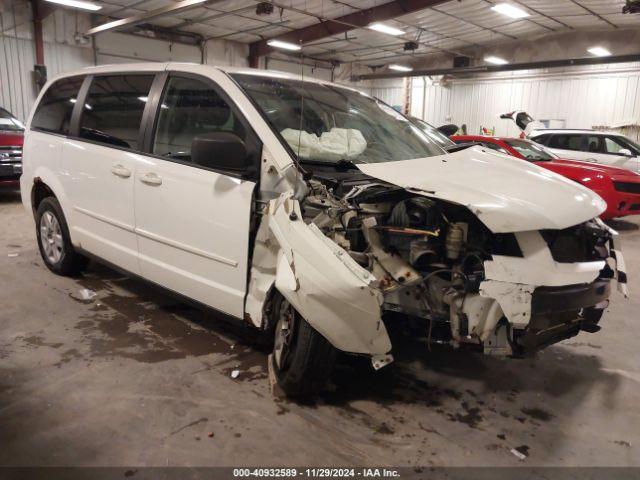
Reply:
x=311, y=211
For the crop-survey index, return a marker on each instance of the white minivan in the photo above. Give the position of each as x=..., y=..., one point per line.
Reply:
x=312, y=211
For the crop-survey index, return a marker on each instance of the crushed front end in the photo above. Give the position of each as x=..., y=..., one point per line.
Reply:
x=438, y=266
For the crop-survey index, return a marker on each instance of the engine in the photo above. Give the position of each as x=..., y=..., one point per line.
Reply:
x=428, y=258
x=427, y=255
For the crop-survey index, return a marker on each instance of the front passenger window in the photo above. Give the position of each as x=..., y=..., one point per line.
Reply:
x=189, y=108
x=613, y=146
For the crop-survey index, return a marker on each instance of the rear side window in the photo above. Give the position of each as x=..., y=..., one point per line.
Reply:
x=566, y=142
x=191, y=107
x=113, y=109
x=53, y=113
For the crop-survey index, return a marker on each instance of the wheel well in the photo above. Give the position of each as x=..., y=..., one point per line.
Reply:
x=39, y=192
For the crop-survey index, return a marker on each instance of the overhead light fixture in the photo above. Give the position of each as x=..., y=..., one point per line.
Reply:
x=77, y=4
x=495, y=60
x=382, y=28
x=509, y=10
x=283, y=45
x=599, y=51
x=410, y=46
x=400, y=68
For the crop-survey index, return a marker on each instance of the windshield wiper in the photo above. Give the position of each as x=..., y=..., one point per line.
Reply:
x=342, y=164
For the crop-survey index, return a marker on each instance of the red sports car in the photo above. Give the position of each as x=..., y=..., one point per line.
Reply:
x=11, y=139
x=619, y=187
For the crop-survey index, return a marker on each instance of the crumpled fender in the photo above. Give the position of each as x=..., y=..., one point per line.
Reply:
x=325, y=285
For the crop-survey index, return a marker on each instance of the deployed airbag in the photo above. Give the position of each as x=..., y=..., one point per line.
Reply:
x=334, y=145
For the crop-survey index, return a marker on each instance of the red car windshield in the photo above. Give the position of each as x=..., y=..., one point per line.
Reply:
x=530, y=151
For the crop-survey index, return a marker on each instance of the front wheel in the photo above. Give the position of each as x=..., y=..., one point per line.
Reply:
x=302, y=358
x=54, y=242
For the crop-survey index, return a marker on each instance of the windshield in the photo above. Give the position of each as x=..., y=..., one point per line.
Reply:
x=324, y=123
x=635, y=147
x=9, y=123
x=531, y=151
x=433, y=133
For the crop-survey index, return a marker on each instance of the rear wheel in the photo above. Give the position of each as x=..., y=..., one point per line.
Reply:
x=54, y=242
x=302, y=358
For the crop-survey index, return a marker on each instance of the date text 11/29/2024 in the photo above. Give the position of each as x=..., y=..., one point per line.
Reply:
x=316, y=473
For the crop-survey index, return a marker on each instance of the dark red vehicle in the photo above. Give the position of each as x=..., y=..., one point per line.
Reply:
x=11, y=139
x=619, y=187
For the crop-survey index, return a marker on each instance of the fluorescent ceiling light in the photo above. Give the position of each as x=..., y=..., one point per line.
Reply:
x=382, y=28
x=400, y=68
x=599, y=51
x=509, y=10
x=77, y=4
x=143, y=99
x=284, y=45
x=495, y=60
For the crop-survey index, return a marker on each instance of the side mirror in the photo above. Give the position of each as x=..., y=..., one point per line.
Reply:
x=448, y=130
x=220, y=151
x=626, y=152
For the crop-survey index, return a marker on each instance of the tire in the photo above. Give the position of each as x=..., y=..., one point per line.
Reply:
x=54, y=242
x=302, y=358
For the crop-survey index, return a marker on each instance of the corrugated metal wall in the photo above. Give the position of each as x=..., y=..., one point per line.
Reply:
x=17, y=57
x=582, y=98
x=17, y=54
x=16, y=86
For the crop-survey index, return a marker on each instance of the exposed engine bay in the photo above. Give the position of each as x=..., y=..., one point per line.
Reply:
x=429, y=259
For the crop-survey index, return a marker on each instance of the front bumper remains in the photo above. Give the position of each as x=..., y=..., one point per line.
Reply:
x=557, y=313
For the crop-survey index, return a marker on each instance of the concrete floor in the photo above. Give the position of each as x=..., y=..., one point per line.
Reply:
x=135, y=378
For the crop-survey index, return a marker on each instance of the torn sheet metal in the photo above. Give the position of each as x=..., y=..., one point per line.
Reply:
x=514, y=299
x=321, y=280
x=620, y=266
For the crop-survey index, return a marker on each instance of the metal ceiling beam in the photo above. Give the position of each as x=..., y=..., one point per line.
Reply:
x=346, y=23
x=460, y=19
x=573, y=62
x=321, y=19
x=593, y=13
x=170, y=9
x=538, y=12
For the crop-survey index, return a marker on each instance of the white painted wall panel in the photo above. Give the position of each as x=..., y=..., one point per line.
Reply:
x=16, y=86
x=115, y=48
x=17, y=58
x=291, y=67
x=582, y=98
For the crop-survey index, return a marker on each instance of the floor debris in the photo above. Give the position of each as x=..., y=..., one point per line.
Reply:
x=12, y=254
x=87, y=294
x=235, y=374
x=519, y=454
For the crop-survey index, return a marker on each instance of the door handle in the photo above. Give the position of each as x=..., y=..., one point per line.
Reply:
x=151, y=179
x=120, y=171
